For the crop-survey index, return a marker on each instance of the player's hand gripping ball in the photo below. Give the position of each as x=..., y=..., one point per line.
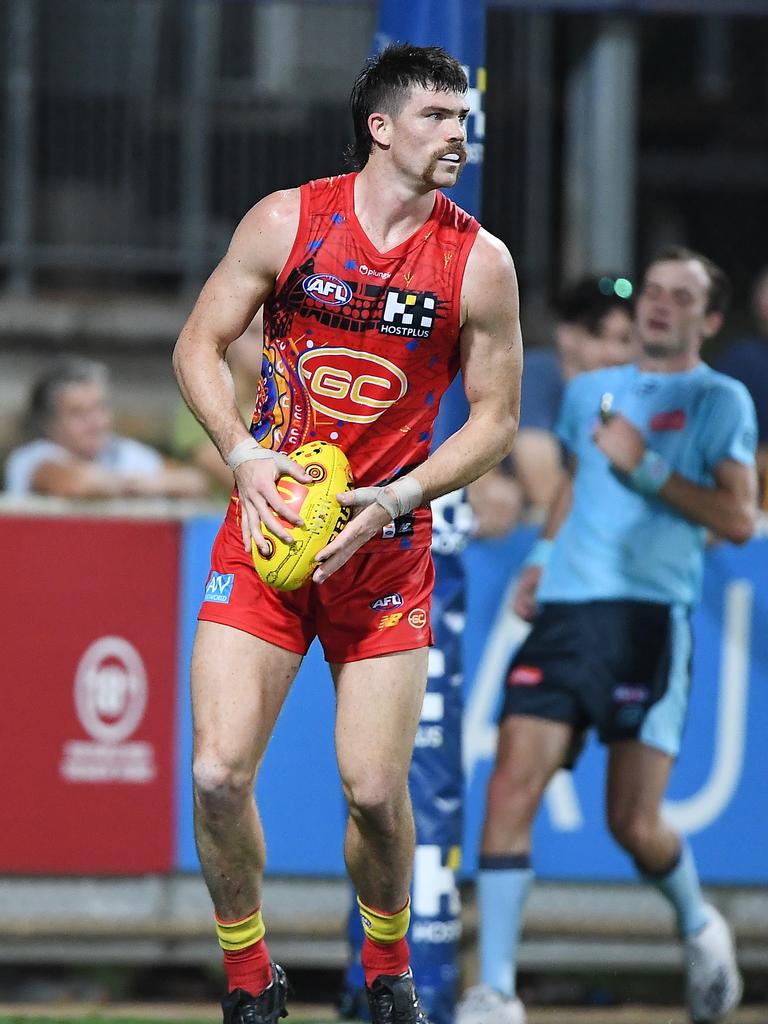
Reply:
x=289, y=566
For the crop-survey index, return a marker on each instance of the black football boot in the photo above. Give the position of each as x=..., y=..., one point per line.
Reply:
x=392, y=1000
x=240, y=1007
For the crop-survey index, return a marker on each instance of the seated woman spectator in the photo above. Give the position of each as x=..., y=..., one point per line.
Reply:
x=75, y=454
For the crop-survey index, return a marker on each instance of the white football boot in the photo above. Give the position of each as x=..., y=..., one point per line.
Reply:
x=713, y=982
x=484, y=1005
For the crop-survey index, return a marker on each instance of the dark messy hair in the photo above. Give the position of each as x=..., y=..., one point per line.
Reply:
x=386, y=81
x=587, y=301
x=720, y=288
x=41, y=405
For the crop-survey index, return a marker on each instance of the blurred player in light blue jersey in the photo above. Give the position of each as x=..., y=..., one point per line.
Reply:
x=662, y=451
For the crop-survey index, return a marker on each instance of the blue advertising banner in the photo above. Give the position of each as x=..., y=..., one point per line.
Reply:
x=459, y=27
x=717, y=793
x=298, y=791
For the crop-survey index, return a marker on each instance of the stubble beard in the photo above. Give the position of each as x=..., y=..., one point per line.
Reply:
x=665, y=350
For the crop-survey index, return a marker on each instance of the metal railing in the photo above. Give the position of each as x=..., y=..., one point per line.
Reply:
x=135, y=133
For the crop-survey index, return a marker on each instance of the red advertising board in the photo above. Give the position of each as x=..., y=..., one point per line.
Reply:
x=88, y=681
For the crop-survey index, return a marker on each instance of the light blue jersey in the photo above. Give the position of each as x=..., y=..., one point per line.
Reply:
x=617, y=543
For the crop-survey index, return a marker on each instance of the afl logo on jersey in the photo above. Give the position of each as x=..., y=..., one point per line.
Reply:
x=353, y=386
x=328, y=289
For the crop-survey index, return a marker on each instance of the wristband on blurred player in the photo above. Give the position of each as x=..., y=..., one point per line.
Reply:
x=250, y=449
x=539, y=554
x=651, y=473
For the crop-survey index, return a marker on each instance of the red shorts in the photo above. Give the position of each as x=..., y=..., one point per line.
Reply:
x=378, y=603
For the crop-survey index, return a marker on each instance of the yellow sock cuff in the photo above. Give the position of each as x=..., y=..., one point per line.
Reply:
x=382, y=927
x=234, y=935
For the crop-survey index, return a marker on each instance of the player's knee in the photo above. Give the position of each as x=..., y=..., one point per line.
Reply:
x=631, y=829
x=513, y=796
x=375, y=801
x=218, y=785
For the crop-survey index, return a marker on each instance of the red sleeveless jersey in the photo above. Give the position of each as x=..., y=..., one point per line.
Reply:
x=359, y=345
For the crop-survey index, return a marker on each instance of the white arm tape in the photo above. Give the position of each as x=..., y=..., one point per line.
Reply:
x=250, y=449
x=400, y=497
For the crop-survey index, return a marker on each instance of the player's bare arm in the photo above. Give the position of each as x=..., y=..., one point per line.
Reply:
x=728, y=508
x=491, y=365
x=227, y=303
x=524, y=599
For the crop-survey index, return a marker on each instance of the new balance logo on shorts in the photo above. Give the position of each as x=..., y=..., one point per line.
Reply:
x=219, y=587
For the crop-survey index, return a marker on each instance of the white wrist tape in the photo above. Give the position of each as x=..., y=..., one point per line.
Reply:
x=400, y=496
x=250, y=449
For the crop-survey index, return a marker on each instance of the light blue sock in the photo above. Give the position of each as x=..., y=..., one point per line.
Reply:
x=680, y=885
x=502, y=889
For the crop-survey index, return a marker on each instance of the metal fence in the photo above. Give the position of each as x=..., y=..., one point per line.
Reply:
x=135, y=133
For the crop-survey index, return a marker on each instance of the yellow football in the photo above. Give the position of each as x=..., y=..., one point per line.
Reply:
x=289, y=566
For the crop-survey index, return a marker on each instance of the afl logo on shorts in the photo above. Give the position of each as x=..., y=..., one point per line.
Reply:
x=389, y=601
x=328, y=289
x=353, y=386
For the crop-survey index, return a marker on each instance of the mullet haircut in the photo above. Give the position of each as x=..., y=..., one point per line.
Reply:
x=385, y=83
x=720, y=288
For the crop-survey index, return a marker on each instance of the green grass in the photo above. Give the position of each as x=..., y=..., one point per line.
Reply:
x=105, y=1018
x=52, y=1018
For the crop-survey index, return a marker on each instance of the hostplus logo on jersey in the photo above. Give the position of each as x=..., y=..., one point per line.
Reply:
x=327, y=289
x=408, y=314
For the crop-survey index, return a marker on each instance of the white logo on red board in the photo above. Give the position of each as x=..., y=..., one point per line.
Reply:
x=110, y=696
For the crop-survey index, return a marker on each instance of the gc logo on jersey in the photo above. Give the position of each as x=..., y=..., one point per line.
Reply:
x=328, y=289
x=353, y=386
x=408, y=314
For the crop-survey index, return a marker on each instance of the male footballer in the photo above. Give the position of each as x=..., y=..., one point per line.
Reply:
x=376, y=290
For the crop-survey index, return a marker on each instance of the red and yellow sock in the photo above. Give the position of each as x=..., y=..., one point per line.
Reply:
x=246, y=957
x=385, y=948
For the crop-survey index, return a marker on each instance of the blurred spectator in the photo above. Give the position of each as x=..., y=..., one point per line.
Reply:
x=593, y=329
x=190, y=441
x=76, y=455
x=747, y=360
